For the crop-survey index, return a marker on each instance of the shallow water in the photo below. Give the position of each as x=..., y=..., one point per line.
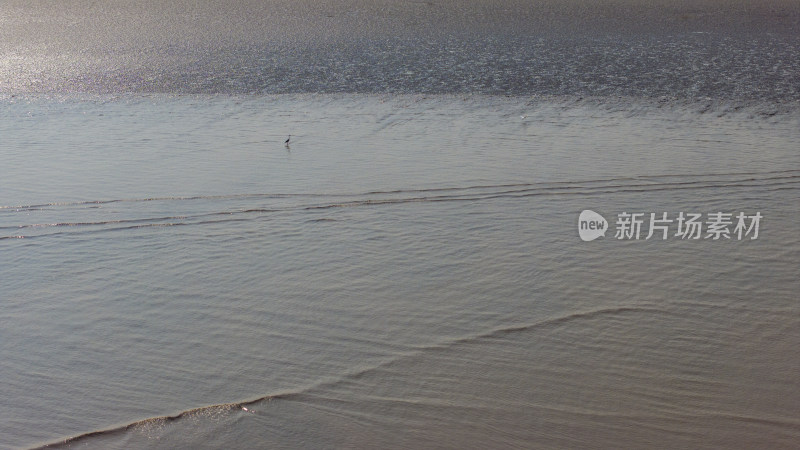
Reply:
x=407, y=273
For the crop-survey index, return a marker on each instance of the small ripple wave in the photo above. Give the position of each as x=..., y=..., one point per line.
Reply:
x=64, y=218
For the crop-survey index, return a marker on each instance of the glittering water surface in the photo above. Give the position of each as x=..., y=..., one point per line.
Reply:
x=664, y=48
x=407, y=272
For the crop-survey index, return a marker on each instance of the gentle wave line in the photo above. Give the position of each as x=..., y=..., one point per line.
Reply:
x=780, y=174
x=495, y=333
x=776, y=180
